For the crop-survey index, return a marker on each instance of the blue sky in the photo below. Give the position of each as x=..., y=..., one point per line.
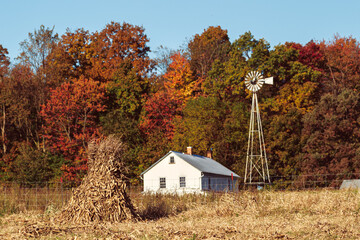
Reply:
x=173, y=23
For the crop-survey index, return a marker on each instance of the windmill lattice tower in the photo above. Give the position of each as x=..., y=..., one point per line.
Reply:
x=257, y=170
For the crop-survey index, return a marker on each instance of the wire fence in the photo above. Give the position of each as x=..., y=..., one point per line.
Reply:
x=311, y=181
x=17, y=197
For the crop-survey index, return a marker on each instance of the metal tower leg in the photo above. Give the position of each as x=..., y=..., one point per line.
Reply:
x=257, y=170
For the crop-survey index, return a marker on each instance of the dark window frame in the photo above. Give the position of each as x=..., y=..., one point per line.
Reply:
x=182, y=182
x=162, y=182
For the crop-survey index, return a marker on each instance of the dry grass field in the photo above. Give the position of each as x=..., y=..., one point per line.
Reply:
x=321, y=214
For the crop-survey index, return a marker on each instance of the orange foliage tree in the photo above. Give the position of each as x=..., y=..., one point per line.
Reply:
x=99, y=55
x=115, y=44
x=342, y=57
x=179, y=79
x=70, y=58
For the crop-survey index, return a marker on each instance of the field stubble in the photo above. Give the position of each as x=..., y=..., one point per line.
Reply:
x=321, y=214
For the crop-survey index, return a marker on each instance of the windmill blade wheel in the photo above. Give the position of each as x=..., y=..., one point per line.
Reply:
x=254, y=81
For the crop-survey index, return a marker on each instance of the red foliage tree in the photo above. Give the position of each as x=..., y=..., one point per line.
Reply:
x=311, y=55
x=71, y=120
x=160, y=111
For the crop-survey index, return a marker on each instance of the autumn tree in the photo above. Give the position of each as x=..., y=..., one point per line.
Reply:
x=295, y=92
x=37, y=47
x=162, y=108
x=331, y=134
x=163, y=59
x=4, y=62
x=213, y=44
x=30, y=85
x=34, y=167
x=255, y=51
x=342, y=58
x=4, y=101
x=226, y=78
x=201, y=126
x=129, y=89
x=159, y=112
x=24, y=98
x=170, y=95
x=18, y=100
x=232, y=147
x=117, y=56
x=284, y=145
x=178, y=79
x=71, y=120
x=70, y=59
x=295, y=85
x=126, y=97
x=99, y=55
x=156, y=129
x=311, y=54
x=118, y=43
x=209, y=123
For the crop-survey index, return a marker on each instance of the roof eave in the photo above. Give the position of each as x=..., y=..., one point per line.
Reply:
x=234, y=174
x=141, y=174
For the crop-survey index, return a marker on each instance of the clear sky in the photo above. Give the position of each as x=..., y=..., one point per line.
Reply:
x=173, y=23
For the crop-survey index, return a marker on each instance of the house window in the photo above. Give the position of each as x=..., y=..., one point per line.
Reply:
x=172, y=160
x=182, y=182
x=162, y=182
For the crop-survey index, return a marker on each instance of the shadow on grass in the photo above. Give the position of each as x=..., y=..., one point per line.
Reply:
x=155, y=206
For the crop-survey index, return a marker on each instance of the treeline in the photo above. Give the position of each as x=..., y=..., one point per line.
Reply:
x=65, y=91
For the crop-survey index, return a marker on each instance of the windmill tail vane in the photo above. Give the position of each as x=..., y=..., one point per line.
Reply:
x=257, y=170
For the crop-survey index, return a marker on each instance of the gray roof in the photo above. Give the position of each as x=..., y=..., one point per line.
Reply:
x=354, y=183
x=203, y=164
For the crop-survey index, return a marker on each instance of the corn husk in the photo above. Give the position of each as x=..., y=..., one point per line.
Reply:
x=102, y=194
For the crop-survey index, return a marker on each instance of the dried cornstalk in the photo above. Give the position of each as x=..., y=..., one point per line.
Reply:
x=102, y=194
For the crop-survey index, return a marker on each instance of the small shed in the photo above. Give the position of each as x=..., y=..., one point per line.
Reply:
x=178, y=172
x=354, y=184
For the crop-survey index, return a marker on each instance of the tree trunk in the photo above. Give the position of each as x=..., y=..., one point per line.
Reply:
x=3, y=128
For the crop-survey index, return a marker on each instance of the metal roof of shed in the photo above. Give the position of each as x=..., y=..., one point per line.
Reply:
x=353, y=183
x=203, y=164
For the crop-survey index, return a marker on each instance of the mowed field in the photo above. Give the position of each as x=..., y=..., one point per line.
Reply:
x=318, y=214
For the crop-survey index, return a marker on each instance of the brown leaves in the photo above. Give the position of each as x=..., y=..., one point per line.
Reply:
x=343, y=62
x=99, y=55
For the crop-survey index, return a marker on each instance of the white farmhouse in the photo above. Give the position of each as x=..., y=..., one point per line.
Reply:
x=187, y=173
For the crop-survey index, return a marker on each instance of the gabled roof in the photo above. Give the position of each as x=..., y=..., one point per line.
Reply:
x=203, y=164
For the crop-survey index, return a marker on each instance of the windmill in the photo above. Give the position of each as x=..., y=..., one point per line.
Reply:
x=257, y=170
